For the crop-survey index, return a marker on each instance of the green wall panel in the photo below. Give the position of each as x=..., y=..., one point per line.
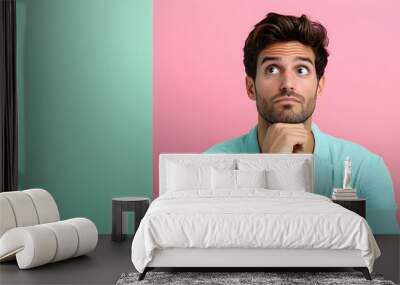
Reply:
x=84, y=72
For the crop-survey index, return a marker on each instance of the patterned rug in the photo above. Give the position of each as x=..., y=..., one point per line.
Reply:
x=225, y=278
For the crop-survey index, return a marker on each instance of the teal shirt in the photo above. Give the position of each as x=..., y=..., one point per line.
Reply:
x=370, y=176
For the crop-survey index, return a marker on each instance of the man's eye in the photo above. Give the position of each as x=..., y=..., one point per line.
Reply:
x=272, y=69
x=305, y=70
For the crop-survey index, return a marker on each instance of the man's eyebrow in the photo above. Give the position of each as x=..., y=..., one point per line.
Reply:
x=274, y=58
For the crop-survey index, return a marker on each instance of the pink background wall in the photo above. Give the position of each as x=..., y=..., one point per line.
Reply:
x=199, y=90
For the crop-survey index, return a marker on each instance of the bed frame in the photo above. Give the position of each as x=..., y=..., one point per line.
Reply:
x=250, y=258
x=240, y=259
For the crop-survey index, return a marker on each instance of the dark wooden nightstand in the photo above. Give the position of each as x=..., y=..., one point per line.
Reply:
x=139, y=205
x=357, y=205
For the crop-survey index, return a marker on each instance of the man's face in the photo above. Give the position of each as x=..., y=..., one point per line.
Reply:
x=286, y=86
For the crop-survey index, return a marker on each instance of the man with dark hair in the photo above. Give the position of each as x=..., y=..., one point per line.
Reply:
x=285, y=59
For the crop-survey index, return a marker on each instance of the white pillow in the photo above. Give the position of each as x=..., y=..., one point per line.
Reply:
x=282, y=173
x=181, y=177
x=251, y=178
x=236, y=179
x=223, y=179
x=184, y=174
x=292, y=181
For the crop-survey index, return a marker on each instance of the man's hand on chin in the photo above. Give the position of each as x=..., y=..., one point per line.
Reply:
x=285, y=138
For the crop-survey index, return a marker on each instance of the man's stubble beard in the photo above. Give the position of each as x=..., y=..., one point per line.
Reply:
x=286, y=114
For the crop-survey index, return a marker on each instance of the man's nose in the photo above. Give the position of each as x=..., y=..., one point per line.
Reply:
x=287, y=83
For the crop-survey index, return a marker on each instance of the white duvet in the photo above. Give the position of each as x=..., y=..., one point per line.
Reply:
x=250, y=218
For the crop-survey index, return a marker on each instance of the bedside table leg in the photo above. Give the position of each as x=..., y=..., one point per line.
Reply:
x=117, y=222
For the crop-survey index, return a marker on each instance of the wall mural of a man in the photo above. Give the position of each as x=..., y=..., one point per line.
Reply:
x=285, y=58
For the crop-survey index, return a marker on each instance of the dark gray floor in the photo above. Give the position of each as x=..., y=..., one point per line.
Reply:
x=103, y=266
x=111, y=259
x=389, y=262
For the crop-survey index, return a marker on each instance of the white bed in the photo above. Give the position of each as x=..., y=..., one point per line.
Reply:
x=204, y=221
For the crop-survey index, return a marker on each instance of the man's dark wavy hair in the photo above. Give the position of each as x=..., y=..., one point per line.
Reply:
x=275, y=28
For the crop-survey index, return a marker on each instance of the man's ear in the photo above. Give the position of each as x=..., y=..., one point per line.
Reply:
x=250, y=88
x=321, y=85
